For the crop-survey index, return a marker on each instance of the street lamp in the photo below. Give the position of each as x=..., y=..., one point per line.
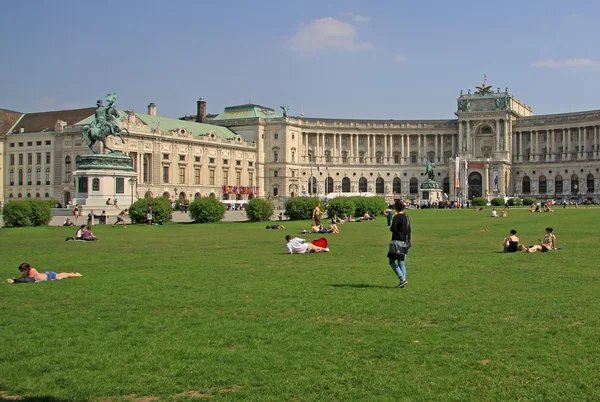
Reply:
x=133, y=182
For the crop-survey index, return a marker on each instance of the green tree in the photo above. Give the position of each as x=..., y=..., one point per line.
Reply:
x=300, y=208
x=498, y=202
x=259, y=209
x=29, y=212
x=206, y=210
x=161, y=210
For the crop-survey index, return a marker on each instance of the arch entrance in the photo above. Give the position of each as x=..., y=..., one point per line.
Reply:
x=475, y=185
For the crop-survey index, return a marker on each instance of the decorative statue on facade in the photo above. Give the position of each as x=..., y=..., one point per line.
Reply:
x=429, y=169
x=105, y=123
x=285, y=109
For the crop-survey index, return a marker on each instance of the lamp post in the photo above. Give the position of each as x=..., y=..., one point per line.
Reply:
x=132, y=182
x=311, y=184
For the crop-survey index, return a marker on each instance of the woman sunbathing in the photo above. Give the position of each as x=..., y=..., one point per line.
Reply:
x=30, y=272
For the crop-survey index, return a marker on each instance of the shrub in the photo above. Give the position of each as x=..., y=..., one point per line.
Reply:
x=375, y=205
x=341, y=206
x=529, y=200
x=259, y=209
x=300, y=208
x=30, y=212
x=514, y=202
x=479, y=202
x=498, y=202
x=207, y=209
x=161, y=210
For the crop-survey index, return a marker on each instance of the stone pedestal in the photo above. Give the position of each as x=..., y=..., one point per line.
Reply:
x=103, y=176
x=430, y=191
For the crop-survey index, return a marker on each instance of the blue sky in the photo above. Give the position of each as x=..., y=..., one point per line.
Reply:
x=337, y=59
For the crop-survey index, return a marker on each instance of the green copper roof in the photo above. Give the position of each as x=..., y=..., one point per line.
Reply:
x=248, y=111
x=169, y=124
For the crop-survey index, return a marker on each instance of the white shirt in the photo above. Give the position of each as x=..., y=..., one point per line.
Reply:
x=297, y=245
x=494, y=214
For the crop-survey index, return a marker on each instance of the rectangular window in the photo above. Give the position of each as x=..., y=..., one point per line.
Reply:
x=20, y=159
x=238, y=178
x=29, y=159
x=275, y=173
x=12, y=144
x=250, y=164
x=181, y=175
x=275, y=191
x=197, y=159
x=211, y=160
x=20, y=144
x=166, y=156
x=38, y=143
x=38, y=158
x=276, y=136
x=292, y=136
x=48, y=142
x=12, y=159
x=251, y=179
x=165, y=174
x=225, y=177
x=225, y=161
x=196, y=176
x=120, y=185
x=182, y=158
x=95, y=184
x=83, y=184
x=30, y=144
x=48, y=158
x=238, y=163
x=47, y=175
x=211, y=177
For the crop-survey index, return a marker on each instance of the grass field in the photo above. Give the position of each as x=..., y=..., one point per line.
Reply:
x=220, y=312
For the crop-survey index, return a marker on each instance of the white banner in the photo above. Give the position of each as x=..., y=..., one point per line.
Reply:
x=457, y=172
x=496, y=181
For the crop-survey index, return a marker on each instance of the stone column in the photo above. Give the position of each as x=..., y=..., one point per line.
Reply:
x=468, y=147
x=520, y=146
x=537, y=145
x=498, y=135
x=453, y=150
x=408, y=148
x=460, y=143
x=507, y=137
x=402, y=156
x=436, y=156
x=552, y=144
x=515, y=155
x=385, y=149
x=418, y=148
x=595, y=153
x=564, y=144
x=579, y=146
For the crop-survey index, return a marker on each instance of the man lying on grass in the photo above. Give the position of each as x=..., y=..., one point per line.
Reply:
x=297, y=245
x=27, y=271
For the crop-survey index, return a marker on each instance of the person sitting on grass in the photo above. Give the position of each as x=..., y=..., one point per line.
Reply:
x=88, y=235
x=494, y=213
x=547, y=244
x=30, y=272
x=68, y=223
x=79, y=232
x=348, y=218
x=511, y=243
x=296, y=245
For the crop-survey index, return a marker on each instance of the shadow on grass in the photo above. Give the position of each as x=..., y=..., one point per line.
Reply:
x=359, y=286
x=4, y=397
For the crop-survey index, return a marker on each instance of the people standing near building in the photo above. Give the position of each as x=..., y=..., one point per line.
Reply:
x=316, y=214
x=400, y=243
x=149, y=215
x=76, y=212
x=90, y=219
x=116, y=203
x=120, y=217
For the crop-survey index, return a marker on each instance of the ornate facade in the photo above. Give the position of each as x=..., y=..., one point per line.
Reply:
x=495, y=147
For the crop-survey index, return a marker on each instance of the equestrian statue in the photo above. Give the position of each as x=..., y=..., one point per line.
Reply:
x=105, y=123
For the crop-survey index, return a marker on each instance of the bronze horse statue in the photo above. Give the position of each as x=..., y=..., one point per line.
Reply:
x=105, y=123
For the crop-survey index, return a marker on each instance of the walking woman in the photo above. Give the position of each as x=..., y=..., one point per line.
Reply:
x=400, y=242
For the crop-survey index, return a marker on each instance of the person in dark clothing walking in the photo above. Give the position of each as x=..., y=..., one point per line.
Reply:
x=400, y=242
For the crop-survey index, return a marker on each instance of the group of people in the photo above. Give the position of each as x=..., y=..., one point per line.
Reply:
x=114, y=202
x=495, y=213
x=511, y=243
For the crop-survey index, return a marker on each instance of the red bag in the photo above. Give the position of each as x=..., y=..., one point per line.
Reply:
x=322, y=242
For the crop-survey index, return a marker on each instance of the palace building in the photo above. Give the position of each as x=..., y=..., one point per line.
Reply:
x=495, y=147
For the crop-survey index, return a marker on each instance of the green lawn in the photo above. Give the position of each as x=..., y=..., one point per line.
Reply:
x=220, y=312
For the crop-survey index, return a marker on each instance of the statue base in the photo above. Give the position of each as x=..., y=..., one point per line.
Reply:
x=103, y=176
x=430, y=191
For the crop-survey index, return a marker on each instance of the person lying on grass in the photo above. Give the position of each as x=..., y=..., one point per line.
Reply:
x=27, y=271
x=297, y=245
x=549, y=243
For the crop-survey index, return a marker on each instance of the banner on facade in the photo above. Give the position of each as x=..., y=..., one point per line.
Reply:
x=457, y=172
x=495, y=177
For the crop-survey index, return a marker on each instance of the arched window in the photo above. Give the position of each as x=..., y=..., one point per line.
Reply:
x=362, y=185
x=19, y=195
x=293, y=154
x=38, y=176
x=312, y=185
x=413, y=157
x=20, y=177
x=397, y=184
x=212, y=195
x=10, y=195
x=542, y=185
x=29, y=177
x=166, y=195
x=275, y=191
x=47, y=176
x=558, y=184
x=77, y=161
x=37, y=195
x=197, y=195
x=11, y=176
x=146, y=164
x=590, y=183
x=574, y=184
x=379, y=157
x=345, y=185
x=67, y=169
x=276, y=156
x=379, y=186
x=46, y=195
x=446, y=185
x=526, y=185
x=28, y=195
x=414, y=186
x=329, y=185
x=397, y=157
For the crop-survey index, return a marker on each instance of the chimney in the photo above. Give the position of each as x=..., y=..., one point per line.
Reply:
x=152, y=109
x=22, y=129
x=201, y=112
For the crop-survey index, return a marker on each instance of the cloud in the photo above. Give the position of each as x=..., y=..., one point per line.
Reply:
x=354, y=17
x=327, y=33
x=399, y=58
x=550, y=63
x=360, y=18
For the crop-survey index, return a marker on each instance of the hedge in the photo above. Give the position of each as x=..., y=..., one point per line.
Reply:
x=300, y=208
x=204, y=210
x=479, y=202
x=259, y=209
x=514, y=202
x=29, y=212
x=498, y=202
x=341, y=206
x=375, y=205
x=529, y=200
x=161, y=210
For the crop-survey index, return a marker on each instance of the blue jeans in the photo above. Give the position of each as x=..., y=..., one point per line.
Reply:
x=399, y=268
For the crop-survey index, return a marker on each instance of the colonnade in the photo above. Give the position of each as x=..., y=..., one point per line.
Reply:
x=557, y=139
